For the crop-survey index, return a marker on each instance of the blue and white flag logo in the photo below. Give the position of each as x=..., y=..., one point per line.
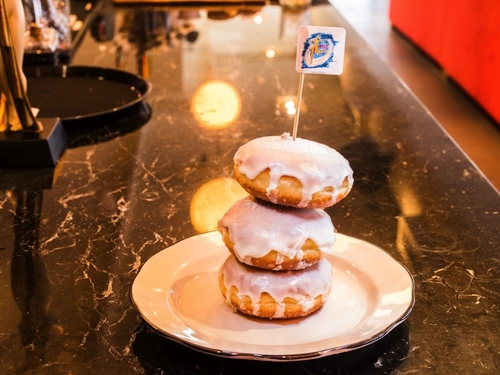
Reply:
x=320, y=50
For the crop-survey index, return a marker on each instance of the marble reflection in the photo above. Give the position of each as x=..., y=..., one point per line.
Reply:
x=29, y=283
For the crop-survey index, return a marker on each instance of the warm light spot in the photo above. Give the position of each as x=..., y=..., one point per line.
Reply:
x=409, y=200
x=212, y=200
x=270, y=53
x=216, y=104
x=288, y=105
x=258, y=19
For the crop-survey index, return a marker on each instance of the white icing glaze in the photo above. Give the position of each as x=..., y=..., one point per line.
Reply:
x=257, y=227
x=315, y=165
x=303, y=286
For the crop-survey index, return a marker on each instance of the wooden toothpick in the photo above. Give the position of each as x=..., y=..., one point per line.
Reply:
x=297, y=110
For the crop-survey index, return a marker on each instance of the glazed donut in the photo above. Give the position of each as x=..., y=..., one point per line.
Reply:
x=275, y=295
x=274, y=237
x=298, y=173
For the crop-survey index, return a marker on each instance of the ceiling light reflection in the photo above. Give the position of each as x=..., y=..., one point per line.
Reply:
x=270, y=53
x=216, y=104
x=286, y=105
x=212, y=200
x=290, y=107
x=258, y=19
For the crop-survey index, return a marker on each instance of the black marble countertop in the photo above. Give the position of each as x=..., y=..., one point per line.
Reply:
x=73, y=238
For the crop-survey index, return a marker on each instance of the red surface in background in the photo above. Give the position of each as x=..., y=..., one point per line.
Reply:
x=463, y=38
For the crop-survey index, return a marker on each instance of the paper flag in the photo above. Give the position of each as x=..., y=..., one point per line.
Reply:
x=320, y=50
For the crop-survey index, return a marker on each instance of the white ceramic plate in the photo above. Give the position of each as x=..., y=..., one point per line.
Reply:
x=177, y=293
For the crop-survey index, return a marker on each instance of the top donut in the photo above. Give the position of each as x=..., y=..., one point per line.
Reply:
x=298, y=173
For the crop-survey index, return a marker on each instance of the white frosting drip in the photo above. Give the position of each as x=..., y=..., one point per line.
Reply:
x=303, y=286
x=257, y=227
x=315, y=165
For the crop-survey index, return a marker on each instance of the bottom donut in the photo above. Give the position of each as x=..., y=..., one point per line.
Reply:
x=272, y=294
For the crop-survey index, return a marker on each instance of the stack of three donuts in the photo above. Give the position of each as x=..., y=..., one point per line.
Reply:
x=277, y=268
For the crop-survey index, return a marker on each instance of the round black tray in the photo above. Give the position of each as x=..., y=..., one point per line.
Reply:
x=76, y=93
